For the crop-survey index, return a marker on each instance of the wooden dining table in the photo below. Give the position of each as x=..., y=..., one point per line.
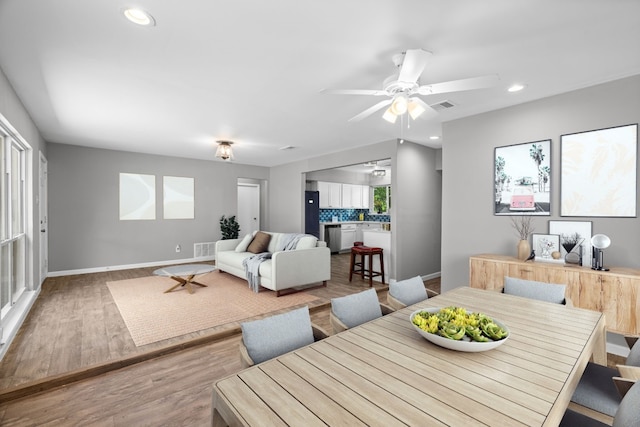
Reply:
x=384, y=373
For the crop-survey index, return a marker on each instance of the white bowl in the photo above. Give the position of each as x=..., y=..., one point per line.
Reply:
x=462, y=345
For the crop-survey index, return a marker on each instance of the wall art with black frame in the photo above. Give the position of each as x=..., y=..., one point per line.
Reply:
x=522, y=179
x=599, y=172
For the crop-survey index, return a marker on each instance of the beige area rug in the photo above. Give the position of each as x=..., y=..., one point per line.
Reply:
x=151, y=315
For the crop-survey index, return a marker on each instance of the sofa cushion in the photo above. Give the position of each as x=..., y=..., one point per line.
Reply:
x=307, y=242
x=244, y=244
x=356, y=309
x=542, y=291
x=232, y=258
x=409, y=291
x=260, y=243
x=274, y=242
x=270, y=337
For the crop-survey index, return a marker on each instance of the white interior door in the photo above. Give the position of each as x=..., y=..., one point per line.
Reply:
x=44, y=220
x=248, y=208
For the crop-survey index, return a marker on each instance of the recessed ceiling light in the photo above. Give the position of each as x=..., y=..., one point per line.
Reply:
x=517, y=87
x=139, y=16
x=434, y=137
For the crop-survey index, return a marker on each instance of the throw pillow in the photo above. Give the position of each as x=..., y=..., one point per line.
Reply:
x=270, y=337
x=409, y=291
x=356, y=309
x=307, y=242
x=244, y=244
x=549, y=292
x=260, y=243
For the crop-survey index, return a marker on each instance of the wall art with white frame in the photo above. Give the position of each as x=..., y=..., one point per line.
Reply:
x=137, y=196
x=599, y=172
x=567, y=230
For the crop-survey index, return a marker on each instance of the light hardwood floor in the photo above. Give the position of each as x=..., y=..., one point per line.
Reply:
x=74, y=363
x=165, y=385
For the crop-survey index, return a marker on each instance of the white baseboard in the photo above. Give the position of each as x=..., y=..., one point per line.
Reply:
x=127, y=266
x=431, y=276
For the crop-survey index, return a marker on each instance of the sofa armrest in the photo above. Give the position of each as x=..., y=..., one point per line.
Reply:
x=227, y=245
x=300, y=267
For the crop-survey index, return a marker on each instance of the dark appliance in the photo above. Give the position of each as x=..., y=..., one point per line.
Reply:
x=312, y=213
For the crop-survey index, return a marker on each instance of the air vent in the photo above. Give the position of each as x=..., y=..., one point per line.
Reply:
x=443, y=105
x=204, y=250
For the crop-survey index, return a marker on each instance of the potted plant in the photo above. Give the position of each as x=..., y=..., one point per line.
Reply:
x=229, y=227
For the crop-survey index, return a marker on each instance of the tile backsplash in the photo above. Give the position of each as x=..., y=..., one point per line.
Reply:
x=326, y=215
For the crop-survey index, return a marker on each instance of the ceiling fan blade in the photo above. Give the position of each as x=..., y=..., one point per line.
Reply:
x=370, y=110
x=413, y=65
x=460, y=85
x=355, y=92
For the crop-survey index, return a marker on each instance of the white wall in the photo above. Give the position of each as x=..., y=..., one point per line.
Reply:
x=468, y=224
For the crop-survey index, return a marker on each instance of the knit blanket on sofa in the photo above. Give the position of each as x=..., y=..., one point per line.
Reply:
x=252, y=264
x=251, y=269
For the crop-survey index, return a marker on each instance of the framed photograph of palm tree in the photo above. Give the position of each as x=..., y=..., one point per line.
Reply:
x=599, y=172
x=522, y=179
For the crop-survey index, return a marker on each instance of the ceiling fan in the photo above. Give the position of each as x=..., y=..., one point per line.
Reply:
x=402, y=88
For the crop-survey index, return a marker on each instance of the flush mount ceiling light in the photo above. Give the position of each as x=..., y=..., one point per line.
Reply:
x=139, y=17
x=378, y=172
x=224, y=151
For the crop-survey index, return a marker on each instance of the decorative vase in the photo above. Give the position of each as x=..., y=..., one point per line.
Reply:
x=524, y=250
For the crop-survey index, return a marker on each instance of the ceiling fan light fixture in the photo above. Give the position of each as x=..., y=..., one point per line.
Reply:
x=389, y=116
x=399, y=105
x=415, y=109
x=224, y=150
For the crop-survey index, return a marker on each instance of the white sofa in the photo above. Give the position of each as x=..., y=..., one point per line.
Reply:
x=309, y=262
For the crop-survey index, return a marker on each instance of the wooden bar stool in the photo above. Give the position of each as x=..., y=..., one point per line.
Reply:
x=360, y=267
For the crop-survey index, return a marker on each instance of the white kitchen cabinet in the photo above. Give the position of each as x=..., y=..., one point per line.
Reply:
x=355, y=196
x=347, y=236
x=347, y=196
x=330, y=194
x=365, y=196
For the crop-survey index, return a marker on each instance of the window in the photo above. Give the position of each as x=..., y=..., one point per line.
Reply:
x=382, y=199
x=12, y=222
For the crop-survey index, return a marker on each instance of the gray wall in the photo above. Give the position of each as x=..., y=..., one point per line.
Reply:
x=14, y=112
x=416, y=195
x=416, y=199
x=85, y=230
x=468, y=224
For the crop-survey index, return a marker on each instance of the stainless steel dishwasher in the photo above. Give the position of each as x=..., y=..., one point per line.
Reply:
x=332, y=237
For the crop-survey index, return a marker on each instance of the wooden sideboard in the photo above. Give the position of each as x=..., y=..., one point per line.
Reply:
x=616, y=292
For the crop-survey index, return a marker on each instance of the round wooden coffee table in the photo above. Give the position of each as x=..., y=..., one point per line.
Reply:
x=184, y=274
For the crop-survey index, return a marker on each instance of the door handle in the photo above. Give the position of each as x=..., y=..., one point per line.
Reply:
x=43, y=230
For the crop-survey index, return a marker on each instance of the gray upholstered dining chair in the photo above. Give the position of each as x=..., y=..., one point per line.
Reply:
x=600, y=387
x=355, y=309
x=627, y=414
x=273, y=336
x=549, y=292
x=403, y=293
